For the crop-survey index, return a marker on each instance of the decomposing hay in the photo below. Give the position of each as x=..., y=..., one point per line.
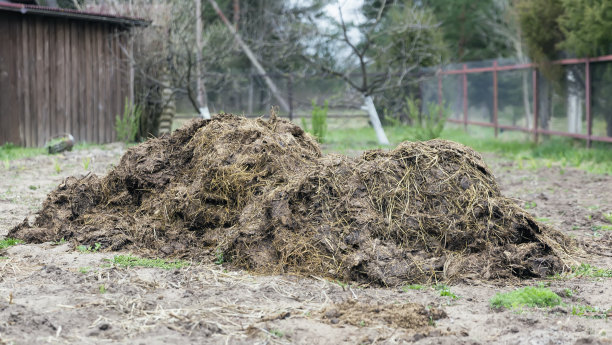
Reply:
x=261, y=194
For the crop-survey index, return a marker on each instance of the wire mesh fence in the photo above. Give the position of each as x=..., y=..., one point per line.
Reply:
x=505, y=95
x=509, y=95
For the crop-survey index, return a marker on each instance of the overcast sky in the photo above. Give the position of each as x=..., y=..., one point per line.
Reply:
x=351, y=10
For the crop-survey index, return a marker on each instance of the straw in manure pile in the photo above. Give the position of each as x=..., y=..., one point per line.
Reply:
x=261, y=193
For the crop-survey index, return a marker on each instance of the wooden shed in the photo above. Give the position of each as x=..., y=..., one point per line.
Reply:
x=62, y=71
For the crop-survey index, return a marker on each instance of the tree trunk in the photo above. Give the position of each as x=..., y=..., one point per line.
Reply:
x=574, y=106
x=290, y=95
x=200, y=87
x=250, y=101
x=458, y=98
x=168, y=107
x=545, y=100
x=574, y=114
x=380, y=132
x=247, y=51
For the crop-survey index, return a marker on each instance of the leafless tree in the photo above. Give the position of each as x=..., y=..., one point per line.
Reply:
x=508, y=27
x=169, y=58
x=382, y=52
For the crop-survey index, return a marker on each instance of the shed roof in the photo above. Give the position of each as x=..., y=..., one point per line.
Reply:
x=74, y=14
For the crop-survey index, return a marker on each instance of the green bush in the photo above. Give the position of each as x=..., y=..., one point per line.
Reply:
x=318, y=121
x=429, y=125
x=127, y=126
x=527, y=296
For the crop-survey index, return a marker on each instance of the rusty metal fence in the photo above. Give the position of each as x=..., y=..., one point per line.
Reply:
x=503, y=95
x=530, y=103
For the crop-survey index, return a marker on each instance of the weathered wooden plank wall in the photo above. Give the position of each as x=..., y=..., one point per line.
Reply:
x=7, y=81
x=58, y=76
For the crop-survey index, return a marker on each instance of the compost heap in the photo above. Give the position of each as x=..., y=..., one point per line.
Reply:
x=260, y=195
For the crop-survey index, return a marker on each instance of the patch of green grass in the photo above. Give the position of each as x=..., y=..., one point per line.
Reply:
x=601, y=227
x=85, y=269
x=412, y=287
x=277, y=333
x=86, y=161
x=586, y=270
x=132, y=261
x=445, y=291
x=527, y=296
x=219, y=258
x=552, y=152
x=57, y=167
x=9, y=152
x=530, y=205
x=343, y=285
x=431, y=321
x=543, y=220
x=60, y=242
x=608, y=216
x=448, y=293
x=85, y=145
x=590, y=311
x=7, y=242
x=102, y=288
x=89, y=249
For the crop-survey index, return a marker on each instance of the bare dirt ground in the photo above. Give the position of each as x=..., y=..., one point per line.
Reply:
x=52, y=293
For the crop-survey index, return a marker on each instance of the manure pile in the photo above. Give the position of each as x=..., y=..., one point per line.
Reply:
x=261, y=194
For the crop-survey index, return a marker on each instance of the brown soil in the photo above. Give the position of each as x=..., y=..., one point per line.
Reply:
x=260, y=194
x=411, y=316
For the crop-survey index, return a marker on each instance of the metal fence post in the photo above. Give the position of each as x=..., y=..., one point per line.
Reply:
x=465, y=98
x=535, y=104
x=495, y=97
x=588, y=101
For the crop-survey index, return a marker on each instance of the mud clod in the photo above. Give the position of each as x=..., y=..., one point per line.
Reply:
x=411, y=316
x=260, y=195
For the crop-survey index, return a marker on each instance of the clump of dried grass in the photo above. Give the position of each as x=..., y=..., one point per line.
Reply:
x=261, y=193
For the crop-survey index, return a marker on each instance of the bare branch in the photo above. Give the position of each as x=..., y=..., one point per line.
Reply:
x=325, y=69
